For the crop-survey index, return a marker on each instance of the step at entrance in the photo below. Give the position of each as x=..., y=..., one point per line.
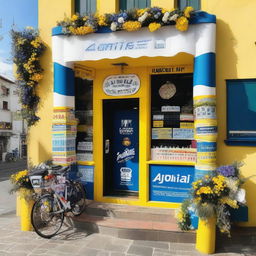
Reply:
x=133, y=222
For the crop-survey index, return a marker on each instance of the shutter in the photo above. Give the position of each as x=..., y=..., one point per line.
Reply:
x=85, y=7
x=194, y=3
x=130, y=4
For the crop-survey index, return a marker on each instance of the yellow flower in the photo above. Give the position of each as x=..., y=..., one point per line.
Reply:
x=230, y=202
x=74, y=17
x=154, y=26
x=187, y=11
x=83, y=30
x=182, y=23
x=102, y=20
x=140, y=12
x=36, y=77
x=131, y=25
x=36, y=43
x=204, y=190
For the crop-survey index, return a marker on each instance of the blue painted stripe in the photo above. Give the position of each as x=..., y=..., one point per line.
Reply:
x=64, y=82
x=203, y=146
x=202, y=17
x=57, y=31
x=204, y=70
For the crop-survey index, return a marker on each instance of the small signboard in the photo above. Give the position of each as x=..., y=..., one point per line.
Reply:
x=170, y=183
x=161, y=133
x=183, y=134
x=121, y=85
x=86, y=174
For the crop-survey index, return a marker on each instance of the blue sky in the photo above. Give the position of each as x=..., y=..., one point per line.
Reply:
x=22, y=13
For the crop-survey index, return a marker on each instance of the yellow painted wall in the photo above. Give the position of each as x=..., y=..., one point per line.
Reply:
x=236, y=58
x=40, y=140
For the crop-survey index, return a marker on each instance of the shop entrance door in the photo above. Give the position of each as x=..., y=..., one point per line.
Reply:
x=121, y=146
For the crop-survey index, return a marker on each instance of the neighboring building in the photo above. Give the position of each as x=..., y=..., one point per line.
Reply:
x=12, y=127
x=171, y=72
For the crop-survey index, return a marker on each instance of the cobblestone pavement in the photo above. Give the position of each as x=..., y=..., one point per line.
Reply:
x=74, y=242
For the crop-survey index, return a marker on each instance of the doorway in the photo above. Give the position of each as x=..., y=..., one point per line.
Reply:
x=121, y=147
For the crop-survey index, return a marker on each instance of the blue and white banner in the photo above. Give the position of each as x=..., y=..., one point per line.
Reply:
x=170, y=183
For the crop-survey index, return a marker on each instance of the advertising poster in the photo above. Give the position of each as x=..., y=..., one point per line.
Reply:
x=161, y=133
x=183, y=134
x=170, y=183
x=126, y=150
x=86, y=174
x=206, y=130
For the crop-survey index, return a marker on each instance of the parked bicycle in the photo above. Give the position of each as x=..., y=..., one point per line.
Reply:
x=59, y=196
x=12, y=156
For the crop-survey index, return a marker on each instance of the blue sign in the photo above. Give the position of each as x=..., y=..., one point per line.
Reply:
x=125, y=150
x=170, y=183
x=86, y=174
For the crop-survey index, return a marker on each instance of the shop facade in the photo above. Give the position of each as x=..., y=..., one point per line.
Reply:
x=137, y=110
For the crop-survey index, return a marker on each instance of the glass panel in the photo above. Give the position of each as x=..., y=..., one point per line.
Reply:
x=241, y=109
x=172, y=135
x=84, y=113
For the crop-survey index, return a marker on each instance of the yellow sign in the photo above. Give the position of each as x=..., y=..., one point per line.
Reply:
x=187, y=125
x=158, y=123
x=84, y=72
x=172, y=69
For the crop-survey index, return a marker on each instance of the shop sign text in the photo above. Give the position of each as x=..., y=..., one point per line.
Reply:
x=121, y=85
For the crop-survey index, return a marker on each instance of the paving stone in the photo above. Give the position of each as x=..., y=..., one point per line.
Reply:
x=140, y=250
x=117, y=254
x=89, y=251
x=162, y=245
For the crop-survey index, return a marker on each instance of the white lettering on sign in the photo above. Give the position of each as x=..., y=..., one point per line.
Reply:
x=121, y=85
x=161, y=178
x=126, y=155
x=126, y=174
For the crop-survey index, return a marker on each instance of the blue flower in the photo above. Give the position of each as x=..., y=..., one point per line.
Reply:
x=227, y=170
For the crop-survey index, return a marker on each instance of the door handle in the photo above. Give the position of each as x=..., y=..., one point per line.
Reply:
x=107, y=146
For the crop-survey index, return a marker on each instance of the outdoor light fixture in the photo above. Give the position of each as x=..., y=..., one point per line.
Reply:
x=121, y=65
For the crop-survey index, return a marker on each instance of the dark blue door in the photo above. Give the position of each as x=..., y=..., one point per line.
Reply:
x=125, y=150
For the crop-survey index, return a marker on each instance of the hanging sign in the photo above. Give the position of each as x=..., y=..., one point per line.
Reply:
x=121, y=85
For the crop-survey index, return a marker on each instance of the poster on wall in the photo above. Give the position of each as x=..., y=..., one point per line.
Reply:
x=170, y=183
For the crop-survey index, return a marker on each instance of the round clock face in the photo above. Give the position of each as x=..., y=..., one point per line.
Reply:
x=167, y=90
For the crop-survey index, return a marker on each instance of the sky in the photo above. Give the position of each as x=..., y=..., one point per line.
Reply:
x=21, y=13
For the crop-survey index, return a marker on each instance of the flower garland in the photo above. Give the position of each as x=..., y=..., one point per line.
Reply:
x=27, y=50
x=132, y=20
x=214, y=195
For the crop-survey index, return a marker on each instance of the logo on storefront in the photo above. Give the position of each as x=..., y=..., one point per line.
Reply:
x=126, y=142
x=175, y=178
x=126, y=127
x=126, y=174
x=126, y=155
x=121, y=85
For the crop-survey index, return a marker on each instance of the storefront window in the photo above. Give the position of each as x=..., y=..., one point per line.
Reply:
x=84, y=112
x=172, y=137
x=130, y=4
x=85, y=7
x=241, y=112
x=196, y=4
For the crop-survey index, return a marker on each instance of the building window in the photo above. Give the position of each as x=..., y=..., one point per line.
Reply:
x=130, y=4
x=5, y=105
x=241, y=112
x=196, y=4
x=85, y=7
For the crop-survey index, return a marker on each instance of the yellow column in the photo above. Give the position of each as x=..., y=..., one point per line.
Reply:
x=25, y=214
x=205, y=236
x=163, y=3
x=109, y=6
x=18, y=204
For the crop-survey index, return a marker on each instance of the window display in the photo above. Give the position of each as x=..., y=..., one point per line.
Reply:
x=172, y=122
x=84, y=113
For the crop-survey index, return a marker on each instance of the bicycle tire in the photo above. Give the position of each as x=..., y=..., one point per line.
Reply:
x=78, y=198
x=43, y=218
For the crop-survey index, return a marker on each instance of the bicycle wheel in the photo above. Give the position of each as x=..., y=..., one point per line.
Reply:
x=77, y=198
x=47, y=216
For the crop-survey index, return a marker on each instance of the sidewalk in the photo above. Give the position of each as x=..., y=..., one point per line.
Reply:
x=75, y=242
